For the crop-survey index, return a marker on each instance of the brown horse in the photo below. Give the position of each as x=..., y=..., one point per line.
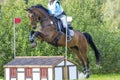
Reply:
x=49, y=33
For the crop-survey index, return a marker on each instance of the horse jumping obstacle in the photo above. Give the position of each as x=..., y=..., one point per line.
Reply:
x=40, y=68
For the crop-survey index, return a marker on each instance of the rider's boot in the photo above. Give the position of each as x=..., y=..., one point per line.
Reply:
x=68, y=35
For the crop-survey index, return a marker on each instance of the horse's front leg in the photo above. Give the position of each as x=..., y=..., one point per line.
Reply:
x=32, y=37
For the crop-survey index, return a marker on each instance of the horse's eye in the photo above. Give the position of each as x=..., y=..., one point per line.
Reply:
x=31, y=15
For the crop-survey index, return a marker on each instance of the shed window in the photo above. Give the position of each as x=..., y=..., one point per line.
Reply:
x=44, y=72
x=13, y=72
x=28, y=72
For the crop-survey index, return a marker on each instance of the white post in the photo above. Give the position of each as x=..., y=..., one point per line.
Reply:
x=65, y=61
x=66, y=46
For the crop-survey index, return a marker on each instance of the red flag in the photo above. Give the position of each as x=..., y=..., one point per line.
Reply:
x=17, y=20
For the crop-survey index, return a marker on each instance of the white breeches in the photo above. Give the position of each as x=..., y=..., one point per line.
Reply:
x=63, y=18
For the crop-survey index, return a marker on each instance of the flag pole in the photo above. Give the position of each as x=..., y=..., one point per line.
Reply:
x=14, y=39
x=16, y=21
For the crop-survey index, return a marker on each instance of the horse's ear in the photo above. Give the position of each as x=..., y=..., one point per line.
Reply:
x=27, y=9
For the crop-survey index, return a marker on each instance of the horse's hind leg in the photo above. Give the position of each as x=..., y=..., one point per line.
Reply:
x=83, y=60
x=76, y=51
x=83, y=54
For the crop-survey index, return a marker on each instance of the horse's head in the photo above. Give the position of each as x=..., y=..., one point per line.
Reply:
x=35, y=14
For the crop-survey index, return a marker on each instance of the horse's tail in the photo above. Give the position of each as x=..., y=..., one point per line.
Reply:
x=92, y=44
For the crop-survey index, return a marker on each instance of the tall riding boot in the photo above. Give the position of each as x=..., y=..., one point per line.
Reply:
x=68, y=35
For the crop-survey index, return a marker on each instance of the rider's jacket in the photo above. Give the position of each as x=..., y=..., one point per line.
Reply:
x=55, y=8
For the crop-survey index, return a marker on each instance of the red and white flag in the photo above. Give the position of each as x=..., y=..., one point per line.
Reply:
x=17, y=20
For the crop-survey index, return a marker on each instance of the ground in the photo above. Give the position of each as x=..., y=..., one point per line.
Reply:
x=99, y=77
x=105, y=77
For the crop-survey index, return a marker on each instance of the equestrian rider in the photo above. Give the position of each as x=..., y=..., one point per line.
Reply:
x=55, y=9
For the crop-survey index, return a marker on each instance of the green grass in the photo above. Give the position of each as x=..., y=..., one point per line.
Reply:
x=1, y=78
x=101, y=77
x=104, y=77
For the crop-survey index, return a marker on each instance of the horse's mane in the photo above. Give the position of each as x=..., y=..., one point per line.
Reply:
x=40, y=7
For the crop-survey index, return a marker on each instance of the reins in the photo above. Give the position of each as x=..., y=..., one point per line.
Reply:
x=51, y=22
x=46, y=18
x=42, y=20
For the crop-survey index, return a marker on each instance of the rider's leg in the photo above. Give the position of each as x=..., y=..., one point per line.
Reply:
x=64, y=21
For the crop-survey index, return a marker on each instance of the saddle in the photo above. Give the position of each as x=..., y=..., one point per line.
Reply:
x=60, y=27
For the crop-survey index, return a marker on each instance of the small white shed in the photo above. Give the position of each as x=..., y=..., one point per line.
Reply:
x=39, y=68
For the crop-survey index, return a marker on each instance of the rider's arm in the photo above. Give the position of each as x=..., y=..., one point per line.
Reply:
x=57, y=9
x=49, y=10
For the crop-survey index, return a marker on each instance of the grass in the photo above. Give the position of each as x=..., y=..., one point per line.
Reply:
x=104, y=77
x=1, y=78
x=99, y=77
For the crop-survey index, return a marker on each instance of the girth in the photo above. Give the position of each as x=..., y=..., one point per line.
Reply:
x=55, y=40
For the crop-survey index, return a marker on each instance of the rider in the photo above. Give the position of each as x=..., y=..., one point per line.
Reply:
x=55, y=9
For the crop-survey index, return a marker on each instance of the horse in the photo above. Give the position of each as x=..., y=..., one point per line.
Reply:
x=48, y=33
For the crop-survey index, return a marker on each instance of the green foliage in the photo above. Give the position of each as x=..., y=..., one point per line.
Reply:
x=88, y=15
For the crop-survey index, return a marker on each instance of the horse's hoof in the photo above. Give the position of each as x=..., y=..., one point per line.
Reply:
x=87, y=75
x=34, y=44
x=81, y=76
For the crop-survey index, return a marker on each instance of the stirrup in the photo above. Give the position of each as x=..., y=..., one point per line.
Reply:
x=69, y=38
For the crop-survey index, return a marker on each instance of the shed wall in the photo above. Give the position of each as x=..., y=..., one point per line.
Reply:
x=50, y=73
x=20, y=76
x=13, y=78
x=58, y=73
x=73, y=72
x=68, y=63
x=7, y=73
x=54, y=73
x=36, y=73
x=29, y=79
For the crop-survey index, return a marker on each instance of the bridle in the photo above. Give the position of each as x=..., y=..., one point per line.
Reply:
x=45, y=21
x=42, y=19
